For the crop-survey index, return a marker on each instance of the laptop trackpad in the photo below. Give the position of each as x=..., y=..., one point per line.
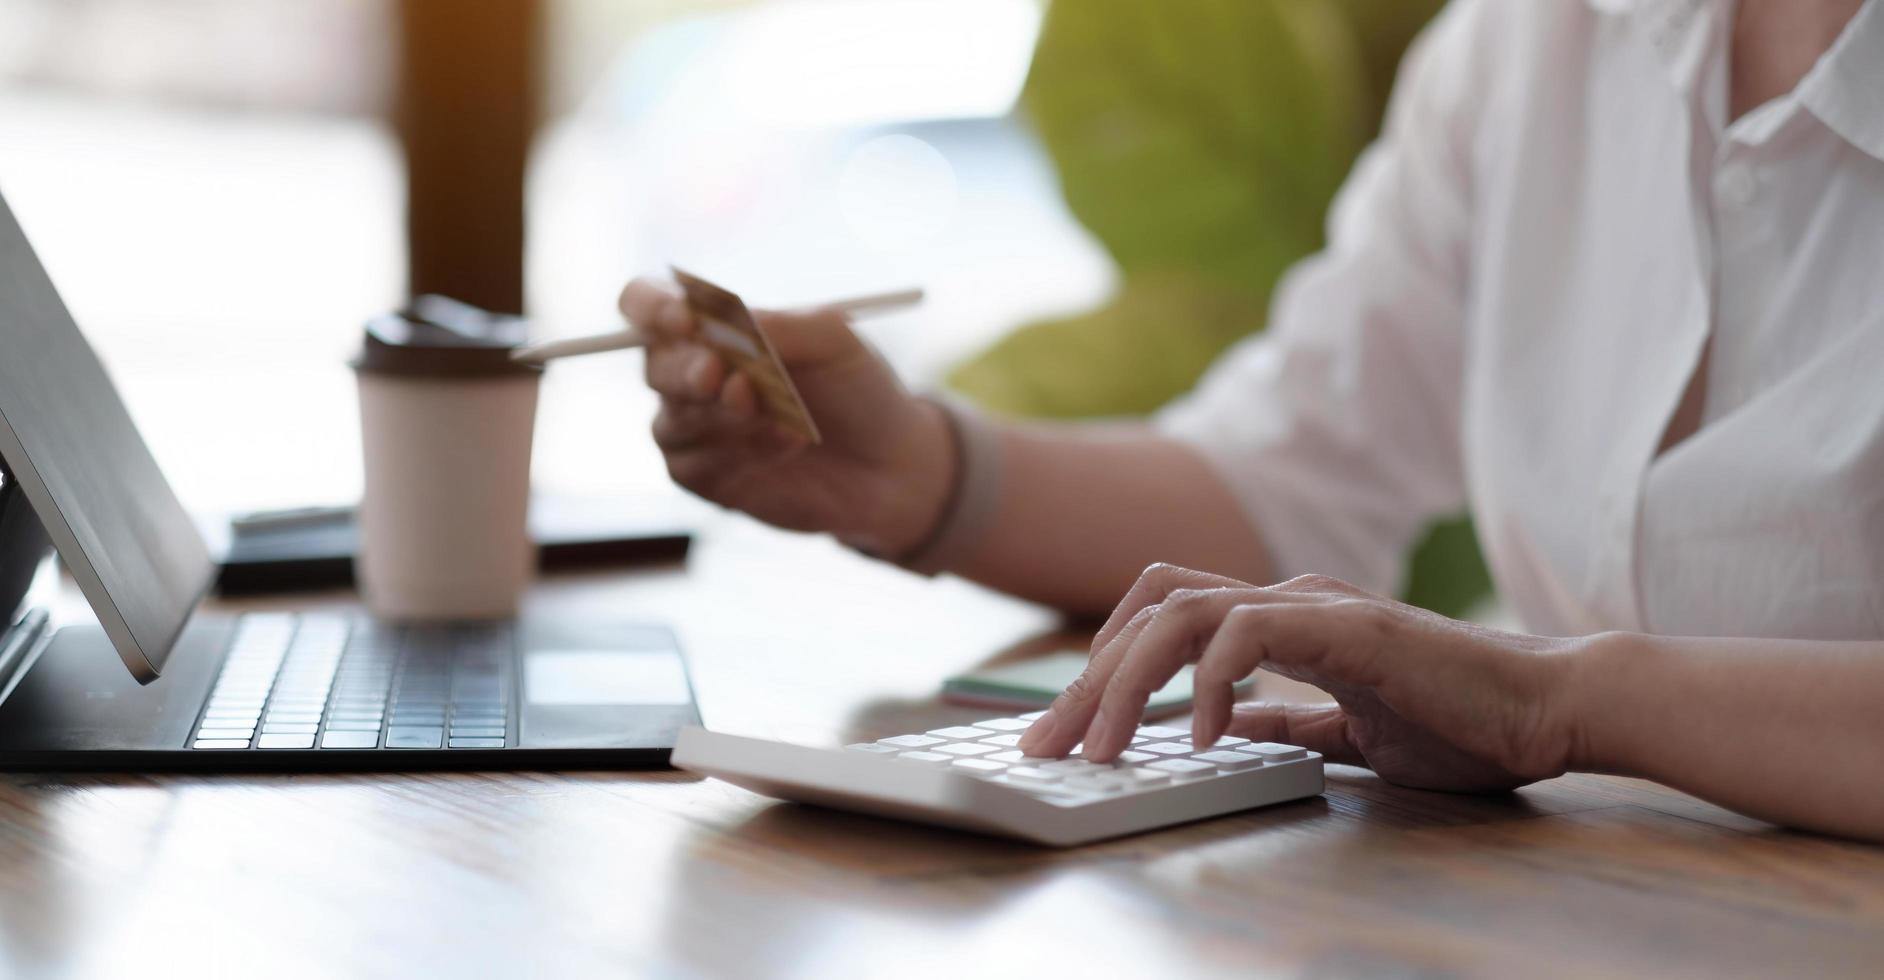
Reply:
x=596, y=698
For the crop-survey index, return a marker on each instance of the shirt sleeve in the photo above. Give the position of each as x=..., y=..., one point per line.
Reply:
x=1338, y=429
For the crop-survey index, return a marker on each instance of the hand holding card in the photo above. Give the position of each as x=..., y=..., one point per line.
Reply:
x=727, y=327
x=877, y=472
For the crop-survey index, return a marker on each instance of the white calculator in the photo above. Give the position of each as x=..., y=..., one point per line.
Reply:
x=973, y=778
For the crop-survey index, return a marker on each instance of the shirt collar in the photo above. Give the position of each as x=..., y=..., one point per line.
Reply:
x=1846, y=88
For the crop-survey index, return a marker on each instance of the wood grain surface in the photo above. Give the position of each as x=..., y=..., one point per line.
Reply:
x=665, y=874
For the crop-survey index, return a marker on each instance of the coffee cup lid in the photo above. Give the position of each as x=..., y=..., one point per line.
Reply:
x=442, y=337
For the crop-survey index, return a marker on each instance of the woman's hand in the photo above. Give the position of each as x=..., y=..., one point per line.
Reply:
x=1420, y=699
x=878, y=480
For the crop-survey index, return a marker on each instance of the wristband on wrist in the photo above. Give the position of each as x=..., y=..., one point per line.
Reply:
x=974, y=493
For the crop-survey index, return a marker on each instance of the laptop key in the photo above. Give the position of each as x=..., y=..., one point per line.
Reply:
x=290, y=728
x=221, y=733
x=414, y=737
x=220, y=743
x=477, y=743
x=486, y=732
x=350, y=740
x=285, y=742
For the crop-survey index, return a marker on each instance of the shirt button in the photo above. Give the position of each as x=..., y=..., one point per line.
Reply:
x=1736, y=184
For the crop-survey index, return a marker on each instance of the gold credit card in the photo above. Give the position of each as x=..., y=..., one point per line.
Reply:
x=727, y=327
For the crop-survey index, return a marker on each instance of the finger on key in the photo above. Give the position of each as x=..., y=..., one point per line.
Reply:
x=1299, y=630
x=1056, y=732
x=1183, y=625
x=1231, y=655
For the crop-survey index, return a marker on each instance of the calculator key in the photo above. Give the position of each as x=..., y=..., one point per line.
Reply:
x=220, y=743
x=1274, y=751
x=350, y=740
x=414, y=737
x=959, y=731
x=1182, y=769
x=965, y=748
x=979, y=766
x=910, y=741
x=1167, y=748
x=477, y=743
x=1007, y=741
x=927, y=758
x=877, y=747
x=1004, y=725
x=1033, y=774
x=1230, y=761
x=1157, y=731
x=1070, y=766
x=1032, y=716
x=285, y=742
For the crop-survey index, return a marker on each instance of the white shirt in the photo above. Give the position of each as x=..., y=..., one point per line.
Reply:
x=1521, y=278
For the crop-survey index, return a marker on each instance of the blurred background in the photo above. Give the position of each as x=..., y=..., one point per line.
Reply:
x=1098, y=195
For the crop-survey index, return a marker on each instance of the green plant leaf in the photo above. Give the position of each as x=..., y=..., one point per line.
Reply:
x=1201, y=142
x=1100, y=363
x=1207, y=135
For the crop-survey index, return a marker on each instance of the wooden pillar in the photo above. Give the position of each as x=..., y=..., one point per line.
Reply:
x=465, y=109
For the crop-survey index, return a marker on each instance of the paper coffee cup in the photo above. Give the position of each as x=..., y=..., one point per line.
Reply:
x=446, y=426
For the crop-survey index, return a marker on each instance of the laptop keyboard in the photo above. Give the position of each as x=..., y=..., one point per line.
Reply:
x=331, y=682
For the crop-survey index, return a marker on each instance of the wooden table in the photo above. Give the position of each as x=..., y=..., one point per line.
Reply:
x=661, y=873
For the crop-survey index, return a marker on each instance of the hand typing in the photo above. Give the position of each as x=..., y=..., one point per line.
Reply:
x=1422, y=700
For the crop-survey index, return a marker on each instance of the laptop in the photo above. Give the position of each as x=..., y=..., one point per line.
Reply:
x=155, y=684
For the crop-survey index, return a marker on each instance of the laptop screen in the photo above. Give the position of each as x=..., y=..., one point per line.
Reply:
x=70, y=443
